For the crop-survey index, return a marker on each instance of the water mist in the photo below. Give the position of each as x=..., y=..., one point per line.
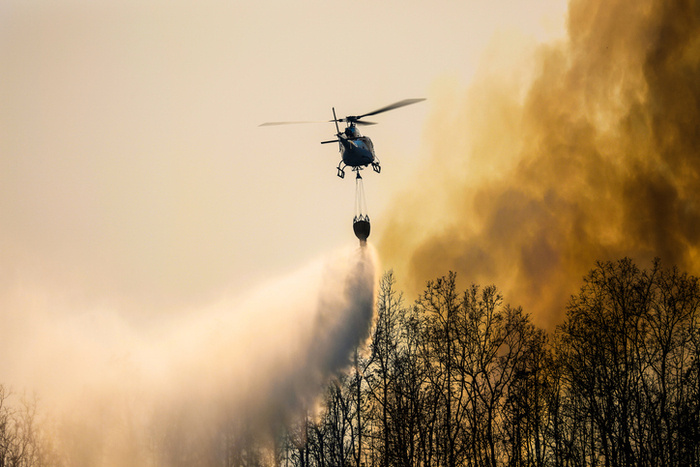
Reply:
x=219, y=382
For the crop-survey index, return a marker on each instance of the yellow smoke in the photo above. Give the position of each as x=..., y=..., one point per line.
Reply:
x=588, y=149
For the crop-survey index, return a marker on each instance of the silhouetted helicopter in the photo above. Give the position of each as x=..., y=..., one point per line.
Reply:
x=357, y=151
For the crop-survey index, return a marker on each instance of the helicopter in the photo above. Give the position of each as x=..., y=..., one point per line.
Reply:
x=357, y=151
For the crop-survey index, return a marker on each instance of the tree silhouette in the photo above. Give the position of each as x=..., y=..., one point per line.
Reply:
x=458, y=378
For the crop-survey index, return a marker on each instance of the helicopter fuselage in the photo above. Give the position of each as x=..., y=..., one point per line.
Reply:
x=357, y=151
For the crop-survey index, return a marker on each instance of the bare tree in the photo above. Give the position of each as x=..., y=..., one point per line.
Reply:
x=459, y=378
x=631, y=360
x=22, y=443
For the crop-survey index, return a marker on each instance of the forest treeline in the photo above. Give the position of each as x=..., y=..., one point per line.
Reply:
x=459, y=378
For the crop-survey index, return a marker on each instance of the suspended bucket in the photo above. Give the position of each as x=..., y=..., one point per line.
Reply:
x=360, y=223
x=361, y=227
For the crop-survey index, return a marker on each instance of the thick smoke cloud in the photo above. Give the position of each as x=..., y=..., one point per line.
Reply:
x=591, y=151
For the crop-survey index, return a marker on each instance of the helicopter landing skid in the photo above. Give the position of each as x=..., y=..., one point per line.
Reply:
x=341, y=171
x=376, y=167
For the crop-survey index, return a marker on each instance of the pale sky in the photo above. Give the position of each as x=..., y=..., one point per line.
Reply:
x=132, y=166
x=134, y=176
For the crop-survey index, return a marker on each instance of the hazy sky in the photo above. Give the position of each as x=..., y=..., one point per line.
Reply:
x=152, y=236
x=133, y=172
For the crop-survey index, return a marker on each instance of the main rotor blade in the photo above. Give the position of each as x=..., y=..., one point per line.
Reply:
x=287, y=123
x=393, y=106
x=353, y=120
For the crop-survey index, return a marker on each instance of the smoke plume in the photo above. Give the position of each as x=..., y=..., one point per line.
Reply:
x=588, y=151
